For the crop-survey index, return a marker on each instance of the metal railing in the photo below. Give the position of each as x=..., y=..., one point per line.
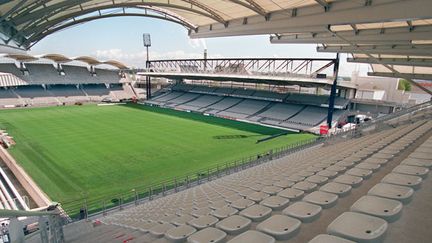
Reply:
x=86, y=207
x=48, y=225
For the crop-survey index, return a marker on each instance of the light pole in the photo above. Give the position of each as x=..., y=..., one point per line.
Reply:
x=147, y=44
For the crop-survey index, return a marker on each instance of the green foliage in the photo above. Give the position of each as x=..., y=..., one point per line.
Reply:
x=404, y=85
x=103, y=150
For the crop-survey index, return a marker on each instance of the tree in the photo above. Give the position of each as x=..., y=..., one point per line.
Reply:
x=404, y=85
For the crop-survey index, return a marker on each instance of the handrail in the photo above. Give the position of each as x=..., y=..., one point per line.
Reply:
x=5, y=213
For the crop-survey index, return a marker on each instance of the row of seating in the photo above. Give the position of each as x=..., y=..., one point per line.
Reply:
x=292, y=116
x=271, y=201
x=370, y=216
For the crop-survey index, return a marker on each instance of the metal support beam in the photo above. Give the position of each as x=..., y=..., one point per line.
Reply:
x=333, y=92
x=403, y=75
x=399, y=35
x=407, y=50
x=312, y=17
x=421, y=62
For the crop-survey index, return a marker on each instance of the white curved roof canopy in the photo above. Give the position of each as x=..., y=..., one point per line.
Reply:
x=401, y=25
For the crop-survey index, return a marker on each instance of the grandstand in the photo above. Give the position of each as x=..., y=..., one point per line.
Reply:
x=294, y=111
x=42, y=84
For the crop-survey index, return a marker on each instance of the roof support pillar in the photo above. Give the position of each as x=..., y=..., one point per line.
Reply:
x=333, y=92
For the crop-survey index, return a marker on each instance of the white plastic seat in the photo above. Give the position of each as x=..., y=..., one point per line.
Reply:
x=207, y=235
x=358, y=227
x=181, y=220
x=252, y=236
x=306, y=212
x=337, y=168
x=257, y=196
x=359, y=172
x=284, y=183
x=275, y=202
x=234, y=225
x=387, y=209
x=291, y=194
x=322, y=238
x=159, y=230
x=411, y=170
x=272, y=190
x=224, y=212
x=317, y=179
x=305, y=186
x=401, y=193
x=353, y=181
x=418, y=162
x=336, y=188
x=203, y=222
x=403, y=180
x=280, y=227
x=242, y=203
x=368, y=166
x=256, y=212
x=328, y=173
x=323, y=199
x=180, y=233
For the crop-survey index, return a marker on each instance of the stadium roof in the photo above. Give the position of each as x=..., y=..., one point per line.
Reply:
x=58, y=58
x=396, y=27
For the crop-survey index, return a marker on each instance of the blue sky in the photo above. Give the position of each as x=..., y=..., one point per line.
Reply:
x=121, y=38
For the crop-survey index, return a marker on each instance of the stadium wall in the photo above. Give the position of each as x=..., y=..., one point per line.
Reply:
x=38, y=196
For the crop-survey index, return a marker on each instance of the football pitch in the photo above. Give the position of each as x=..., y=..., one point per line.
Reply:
x=99, y=151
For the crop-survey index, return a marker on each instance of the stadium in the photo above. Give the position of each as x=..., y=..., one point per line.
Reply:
x=218, y=149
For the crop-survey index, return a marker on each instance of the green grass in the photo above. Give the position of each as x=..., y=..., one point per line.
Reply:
x=101, y=151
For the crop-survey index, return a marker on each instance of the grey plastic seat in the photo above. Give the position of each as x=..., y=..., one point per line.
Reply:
x=359, y=172
x=256, y=212
x=384, y=208
x=328, y=173
x=291, y=194
x=203, y=222
x=182, y=220
x=275, y=202
x=420, y=155
x=233, y=198
x=305, y=186
x=207, y=235
x=252, y=236
x=246, y=192
x=322, y=238
x=242, y=203
x=353, y=181
x=224, y=212
x=272, y=190
x=180, y=233
x=314, y=169
x=411, y=170
x=159, y=230
x=304, y=211
x=368, y=166
x=257, y=196
x=336, y=188
x=234, y=225
x=280, y=227
x=418, y=162
x=317, y=179
x=218, y=204
x=323, y=199
x=346, y=164
x=401, y=193
x=358, y=227
x=201, y=212
x=403, y=180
